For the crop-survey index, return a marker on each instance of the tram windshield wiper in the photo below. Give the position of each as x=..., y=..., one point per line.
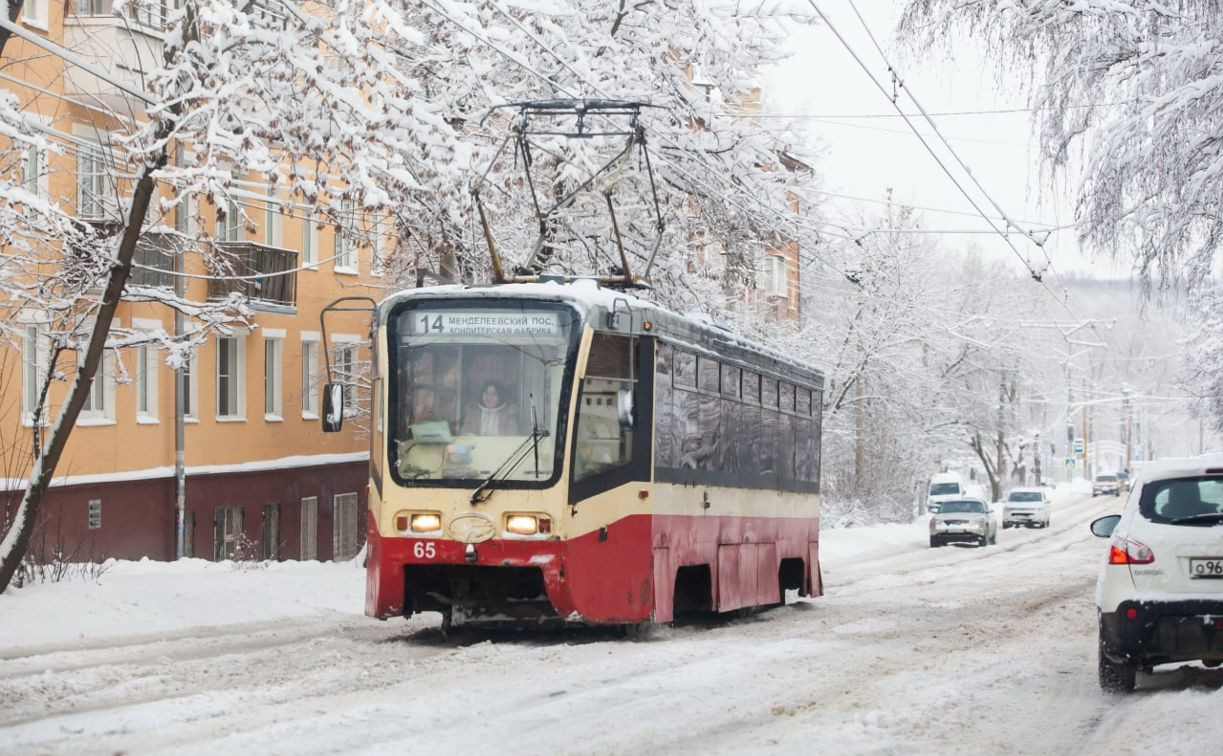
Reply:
x=485, y=489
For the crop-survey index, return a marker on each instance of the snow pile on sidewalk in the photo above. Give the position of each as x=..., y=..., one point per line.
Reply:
x=147, y=598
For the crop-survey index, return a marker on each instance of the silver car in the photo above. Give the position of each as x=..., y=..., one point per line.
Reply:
x=964, y=520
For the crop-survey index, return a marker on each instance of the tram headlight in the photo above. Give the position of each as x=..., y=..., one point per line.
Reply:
x=522, y=524
x=418, y=522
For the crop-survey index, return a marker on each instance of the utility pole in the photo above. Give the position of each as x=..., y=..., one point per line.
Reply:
x=180, y=398
x=1037, y=453
x=1086, y=422
x=860, y=445
x=1000, y=464
x=1129, y=430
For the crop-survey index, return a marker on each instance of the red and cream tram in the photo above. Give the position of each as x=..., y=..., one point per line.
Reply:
x=563, y=452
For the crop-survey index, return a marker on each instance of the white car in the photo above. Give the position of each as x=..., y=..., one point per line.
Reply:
x=943, y=487
x=963, y=520
x=1027, y=507
x=1160, y=591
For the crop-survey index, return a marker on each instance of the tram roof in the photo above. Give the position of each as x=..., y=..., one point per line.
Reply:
x=596, y=302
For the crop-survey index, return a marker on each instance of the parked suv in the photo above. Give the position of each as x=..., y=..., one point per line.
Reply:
x=1028, y=507
x=1160, y=590
x=1106, y=483
x=963, y=521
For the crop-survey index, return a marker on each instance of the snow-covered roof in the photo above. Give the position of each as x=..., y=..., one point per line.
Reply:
x=1183, y=467
x=947, y=477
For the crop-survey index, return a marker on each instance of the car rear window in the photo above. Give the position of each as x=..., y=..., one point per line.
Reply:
x=952, y=507
x=1183, y=500
x=942, y=489
x=1106, y=478
x=1024, y=496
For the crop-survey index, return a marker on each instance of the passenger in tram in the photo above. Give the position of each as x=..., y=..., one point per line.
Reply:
x=493, y=415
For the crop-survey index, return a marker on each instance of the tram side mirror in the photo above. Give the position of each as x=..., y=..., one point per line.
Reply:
x=624, y=407
x=333, y=407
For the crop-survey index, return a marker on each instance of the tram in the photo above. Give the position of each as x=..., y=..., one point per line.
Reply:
x=563, y=452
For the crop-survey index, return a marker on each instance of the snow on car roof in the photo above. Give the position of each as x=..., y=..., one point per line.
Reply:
x=1182, y=467
x=946, y=478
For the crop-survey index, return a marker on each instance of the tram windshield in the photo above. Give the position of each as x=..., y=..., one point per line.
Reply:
x=478, y=389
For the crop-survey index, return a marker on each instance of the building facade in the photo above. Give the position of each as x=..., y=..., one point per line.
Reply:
x=262, y=480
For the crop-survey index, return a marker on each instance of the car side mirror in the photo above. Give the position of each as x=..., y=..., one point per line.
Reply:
x=333, y=407
x=1103, y=527
x=624, y=407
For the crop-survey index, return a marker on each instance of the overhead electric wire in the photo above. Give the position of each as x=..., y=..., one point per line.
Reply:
x=942, y=165
x=943, y=114
x=934, y=126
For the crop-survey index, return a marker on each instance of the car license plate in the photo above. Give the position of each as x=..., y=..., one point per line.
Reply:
x=1206, y=568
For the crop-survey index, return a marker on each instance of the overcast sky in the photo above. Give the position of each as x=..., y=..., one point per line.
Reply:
x=865, y=157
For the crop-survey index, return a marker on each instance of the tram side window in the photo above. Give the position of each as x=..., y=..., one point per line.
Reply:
x=707, y=374
x=685, y=369
x=602, y=442
x=664, y=448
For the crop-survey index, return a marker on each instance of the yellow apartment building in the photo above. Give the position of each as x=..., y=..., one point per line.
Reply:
x=262, y=480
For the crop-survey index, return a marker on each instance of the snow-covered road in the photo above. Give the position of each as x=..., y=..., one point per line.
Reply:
x=911, y=650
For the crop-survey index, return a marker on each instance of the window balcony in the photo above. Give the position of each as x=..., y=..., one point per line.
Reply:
x=265, y=275
x=153, y=261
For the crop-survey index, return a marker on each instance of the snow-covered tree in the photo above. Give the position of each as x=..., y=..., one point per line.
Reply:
x=376, y=109
x=1126, y=97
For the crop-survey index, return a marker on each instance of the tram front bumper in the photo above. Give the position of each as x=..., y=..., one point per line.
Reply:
x=601, y=577
x=409, y=575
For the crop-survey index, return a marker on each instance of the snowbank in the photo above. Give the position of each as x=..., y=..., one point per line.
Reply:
x=148, y=598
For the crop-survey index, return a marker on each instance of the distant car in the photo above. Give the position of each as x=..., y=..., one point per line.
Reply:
x=1123, y=480
x=1159, y=595
x=1027, y=507
x=943, y=487
x=1106, y=483
x=963, y=520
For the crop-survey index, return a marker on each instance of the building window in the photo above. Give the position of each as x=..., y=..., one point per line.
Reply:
x=377, y=265
x=344, y=527
x=773, y=276
x=309, y=239
x=34, y=168
x=91, y=182
x=190, y=370
x=271, y=220
x=100, y=401
x=146, y=383
x=230, y=378
x=227, y=533
x=344, y=368
x=309, y=528
x=269, y=532
x=94, y=516
x=94, y=7
x=36, y=13
x=182, y=211
x=310, y=380
x=33, y=359
x=273, y=358
x=345, y=248
x=229, y=226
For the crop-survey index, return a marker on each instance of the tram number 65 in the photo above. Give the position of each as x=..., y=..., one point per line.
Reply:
x=424, y=550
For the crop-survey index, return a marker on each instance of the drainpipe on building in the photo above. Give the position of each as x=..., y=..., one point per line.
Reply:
x=180, y=464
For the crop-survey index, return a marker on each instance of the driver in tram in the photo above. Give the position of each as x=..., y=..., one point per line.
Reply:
x=493, y=415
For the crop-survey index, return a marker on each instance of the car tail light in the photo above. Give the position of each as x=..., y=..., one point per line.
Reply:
x=1129, y=551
